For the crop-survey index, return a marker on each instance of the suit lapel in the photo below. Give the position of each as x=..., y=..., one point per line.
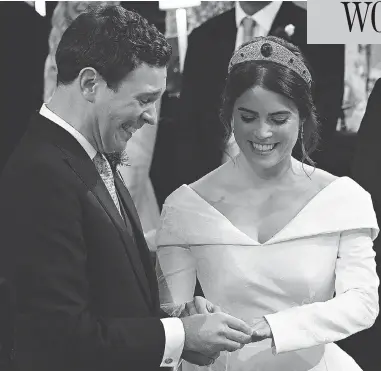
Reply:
x=289, y=13
x=225, y=36
x=127, y=199
x=86, y=170
x=141, y=242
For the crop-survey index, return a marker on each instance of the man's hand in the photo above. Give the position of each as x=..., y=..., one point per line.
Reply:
x=215, y=332
x=198, y=358
x=261, y=330
x=199, y=305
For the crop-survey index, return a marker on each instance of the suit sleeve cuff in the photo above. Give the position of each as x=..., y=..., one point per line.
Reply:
x=174, y=341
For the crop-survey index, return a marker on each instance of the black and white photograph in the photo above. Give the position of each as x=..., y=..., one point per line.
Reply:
x=189, y=186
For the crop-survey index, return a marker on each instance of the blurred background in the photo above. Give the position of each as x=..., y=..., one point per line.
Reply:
x=30, y=32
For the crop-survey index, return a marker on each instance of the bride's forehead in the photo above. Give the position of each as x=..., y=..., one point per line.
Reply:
x=258, y=96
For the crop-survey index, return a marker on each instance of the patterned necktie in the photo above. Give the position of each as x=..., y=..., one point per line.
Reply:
x=248, y=29
x=104, y=170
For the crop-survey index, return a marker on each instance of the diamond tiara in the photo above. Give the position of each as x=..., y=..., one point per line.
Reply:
x=267, y=50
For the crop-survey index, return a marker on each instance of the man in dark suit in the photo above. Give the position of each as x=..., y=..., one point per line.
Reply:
x=199, y=133
x=72, y=246
x=366, y=171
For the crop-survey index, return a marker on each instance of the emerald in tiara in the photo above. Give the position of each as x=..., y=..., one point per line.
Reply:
x=272, y=52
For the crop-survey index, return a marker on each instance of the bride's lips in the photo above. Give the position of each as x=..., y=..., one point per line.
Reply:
x=262, y=149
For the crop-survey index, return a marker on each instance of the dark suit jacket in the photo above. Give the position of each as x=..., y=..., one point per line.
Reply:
x=6, y=321
x=199, y=139
x=366, y=170
x=86, y=291
x=24, y=35
x=366, y=167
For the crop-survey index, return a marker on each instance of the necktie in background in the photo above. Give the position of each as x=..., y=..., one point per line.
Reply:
x=248, y=29
x=104, y=170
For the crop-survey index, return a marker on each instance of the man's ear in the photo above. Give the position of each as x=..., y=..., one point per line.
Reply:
x=89, y=81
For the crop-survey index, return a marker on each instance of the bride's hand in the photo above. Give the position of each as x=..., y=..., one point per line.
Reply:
x=261, y=330
x=200, y=305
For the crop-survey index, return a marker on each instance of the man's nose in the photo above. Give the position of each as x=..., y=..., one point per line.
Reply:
x=150, y=115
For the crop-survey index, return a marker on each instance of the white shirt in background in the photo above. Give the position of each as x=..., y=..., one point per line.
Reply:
x=263, y=20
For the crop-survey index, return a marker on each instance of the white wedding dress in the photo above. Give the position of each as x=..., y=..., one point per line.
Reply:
x=314, y=281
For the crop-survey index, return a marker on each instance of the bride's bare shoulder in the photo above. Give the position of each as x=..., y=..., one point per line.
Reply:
x=320, y=177
x=212, y=183
x=326, y=178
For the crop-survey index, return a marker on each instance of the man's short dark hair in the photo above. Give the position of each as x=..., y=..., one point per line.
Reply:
x=112, y=40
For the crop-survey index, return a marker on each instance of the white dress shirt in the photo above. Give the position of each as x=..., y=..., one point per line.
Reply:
x=263, y=20
x=173, y=327
x=50, y=115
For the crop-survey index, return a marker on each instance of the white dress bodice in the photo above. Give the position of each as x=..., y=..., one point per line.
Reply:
x=314, y=281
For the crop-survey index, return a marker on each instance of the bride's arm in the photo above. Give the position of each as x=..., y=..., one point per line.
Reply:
x=175, y=264
x=176, y=274
x=354, y=308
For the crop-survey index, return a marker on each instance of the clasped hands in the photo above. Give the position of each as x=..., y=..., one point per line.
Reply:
x=209, y=331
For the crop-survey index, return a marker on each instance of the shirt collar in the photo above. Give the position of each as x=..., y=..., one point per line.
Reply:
x=265, y=17
x=50, y=115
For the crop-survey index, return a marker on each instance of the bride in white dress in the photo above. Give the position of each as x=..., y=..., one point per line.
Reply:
x=283, y=246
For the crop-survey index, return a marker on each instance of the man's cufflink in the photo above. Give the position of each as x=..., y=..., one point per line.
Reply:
x=168, y=361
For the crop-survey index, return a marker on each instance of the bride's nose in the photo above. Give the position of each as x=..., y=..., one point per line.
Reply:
x=263, y=130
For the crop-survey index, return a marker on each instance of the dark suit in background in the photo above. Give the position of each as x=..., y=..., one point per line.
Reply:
x=199, y=133
x=366, y=170
x=87, y=296
x=6, y=324
x=366, y=167
x=24, y=40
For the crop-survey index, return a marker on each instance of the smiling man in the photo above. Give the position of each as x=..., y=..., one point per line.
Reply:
x=72, y=245
x=107, y=113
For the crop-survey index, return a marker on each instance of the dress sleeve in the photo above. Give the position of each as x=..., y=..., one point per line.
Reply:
x=175, y=264
x=354, y=308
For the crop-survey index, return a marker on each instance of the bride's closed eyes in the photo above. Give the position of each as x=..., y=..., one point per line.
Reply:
x=278, y=118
